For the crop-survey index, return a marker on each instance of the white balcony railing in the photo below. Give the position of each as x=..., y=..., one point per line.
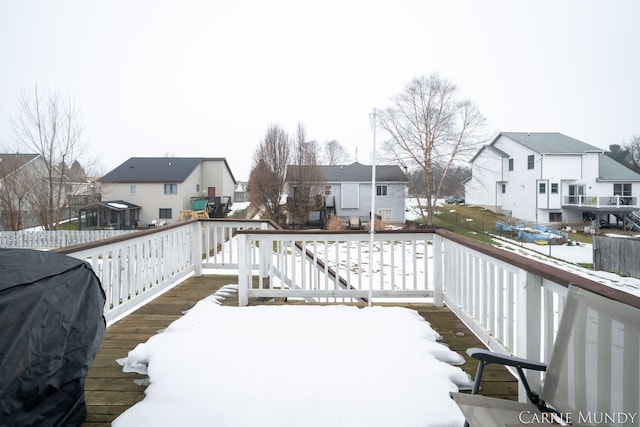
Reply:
x=602, y=201
x=512, y=303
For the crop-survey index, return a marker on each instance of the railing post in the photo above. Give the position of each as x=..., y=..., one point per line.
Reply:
x=196, y=248
x=244, y=270
x=529, y=324
x=438, y=266
x=266, y=251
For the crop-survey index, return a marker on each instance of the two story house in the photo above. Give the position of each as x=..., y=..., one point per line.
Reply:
x=164, y=186
x=550, y=178
x=347, y=191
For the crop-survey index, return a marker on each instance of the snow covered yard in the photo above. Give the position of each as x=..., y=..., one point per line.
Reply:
x=298, y=366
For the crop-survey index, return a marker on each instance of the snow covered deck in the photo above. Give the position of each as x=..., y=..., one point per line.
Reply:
x=513, y=303
x=109, y=391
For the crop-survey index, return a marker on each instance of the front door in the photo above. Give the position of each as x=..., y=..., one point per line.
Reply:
x=211, y=192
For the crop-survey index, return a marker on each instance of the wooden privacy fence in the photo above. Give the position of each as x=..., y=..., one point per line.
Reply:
x=618, y=255
x=33, y=239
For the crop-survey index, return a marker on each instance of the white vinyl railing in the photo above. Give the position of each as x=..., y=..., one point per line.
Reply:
x=137, y=268
x=602, y=201
x=512, y=303
x=511, y=309
x=40, y=239
x=220, y=248
x=334, y=266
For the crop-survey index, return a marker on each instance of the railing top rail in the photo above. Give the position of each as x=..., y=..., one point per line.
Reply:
x=330, y=232
x=118, y=239
x=546, y=271
x=242, y=221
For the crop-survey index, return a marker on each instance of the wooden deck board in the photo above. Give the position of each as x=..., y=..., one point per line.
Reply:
x=109, y=391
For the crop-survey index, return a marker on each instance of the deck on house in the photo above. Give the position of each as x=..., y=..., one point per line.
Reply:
x=109, y=391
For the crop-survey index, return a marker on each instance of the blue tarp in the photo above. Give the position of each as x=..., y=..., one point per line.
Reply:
x=525, y=234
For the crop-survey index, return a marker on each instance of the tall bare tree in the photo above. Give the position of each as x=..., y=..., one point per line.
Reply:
x=49, y=126
x=335, y=153
x=266, y=181
x=16, y=180
x=633, y=148
x=429, y=125
x=305, y=177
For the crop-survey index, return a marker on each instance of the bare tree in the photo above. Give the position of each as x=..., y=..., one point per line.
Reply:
x=15, y=183
x=633, y=148
x=430, y=126
x=305, y=178
x=266, y=181
x=50, y=127
x=335, y=153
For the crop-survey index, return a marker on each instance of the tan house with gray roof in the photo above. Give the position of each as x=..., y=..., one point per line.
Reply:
x=164, y=186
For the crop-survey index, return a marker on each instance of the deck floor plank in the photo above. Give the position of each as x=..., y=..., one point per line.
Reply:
x=109, y=391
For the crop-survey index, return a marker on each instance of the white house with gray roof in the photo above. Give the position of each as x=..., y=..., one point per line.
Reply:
x=348, y=189
x=549, y=178
x=164, y=186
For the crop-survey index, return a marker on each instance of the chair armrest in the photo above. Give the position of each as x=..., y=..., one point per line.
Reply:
x=487, y=357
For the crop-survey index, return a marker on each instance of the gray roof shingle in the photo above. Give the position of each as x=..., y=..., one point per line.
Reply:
x=357, y=172
x=155, y=169
x=550, y=142
x=610, y=170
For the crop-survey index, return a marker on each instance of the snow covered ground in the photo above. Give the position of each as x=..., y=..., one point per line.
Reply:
x=566, y=257
x=308, y=366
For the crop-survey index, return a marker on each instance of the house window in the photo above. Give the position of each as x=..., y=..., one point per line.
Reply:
x=164, y=213
x=510, y=164
x=622, y=190
x=381, y=190
x=530, y=162
x=554, y=188
x=386, y=215
x=198, y=188
x=504, y=188
x=327, y=190
x=555, y=216
x=133, y=189
x=171, y=189
x=542, y=187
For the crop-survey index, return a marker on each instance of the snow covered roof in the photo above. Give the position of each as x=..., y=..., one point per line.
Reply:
x=111, y=204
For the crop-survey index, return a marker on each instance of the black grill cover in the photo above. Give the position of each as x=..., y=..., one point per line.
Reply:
x=51, y=326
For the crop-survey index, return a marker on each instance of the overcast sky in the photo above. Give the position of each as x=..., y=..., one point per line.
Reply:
x=202, y=78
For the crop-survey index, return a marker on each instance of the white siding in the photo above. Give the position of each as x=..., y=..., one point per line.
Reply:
x=481, y=189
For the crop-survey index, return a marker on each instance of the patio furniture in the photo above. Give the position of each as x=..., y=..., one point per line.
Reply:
x=591, y=378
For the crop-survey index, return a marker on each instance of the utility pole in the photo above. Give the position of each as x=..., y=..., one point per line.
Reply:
x=372, y=220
